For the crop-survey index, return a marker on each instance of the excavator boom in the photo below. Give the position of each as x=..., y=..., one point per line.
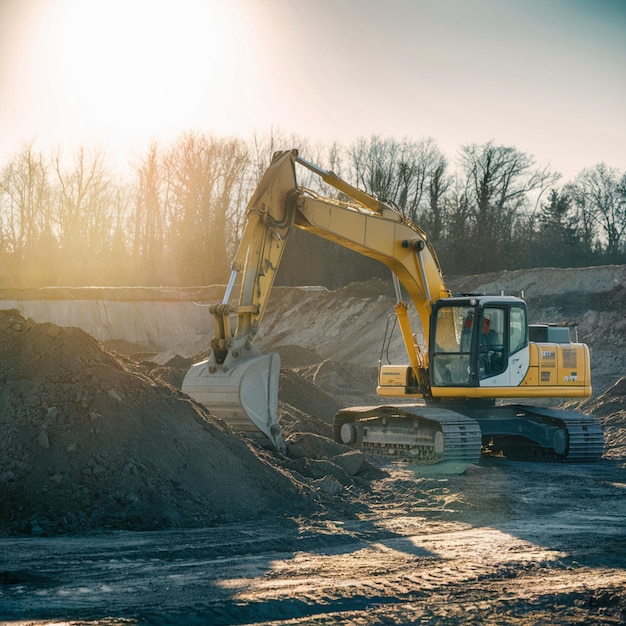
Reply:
x=236, y=381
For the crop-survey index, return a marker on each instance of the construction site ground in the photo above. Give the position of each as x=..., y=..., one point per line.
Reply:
x=122, y=501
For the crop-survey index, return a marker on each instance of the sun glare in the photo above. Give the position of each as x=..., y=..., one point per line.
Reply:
x=139, y=66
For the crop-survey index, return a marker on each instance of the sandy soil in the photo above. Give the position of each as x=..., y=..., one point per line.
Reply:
x=124, y=502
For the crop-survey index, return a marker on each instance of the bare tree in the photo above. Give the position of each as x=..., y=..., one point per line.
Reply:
x=120, y=263
x=454, y=245
x=230, y=197
x=499, y=184
x=559, y=237
x=25, y=196
x=400, y=173
x=27, y=225
x=202, y=175
x=600, y=195
x=148, y=223
x=433, y=219
x=84, y=190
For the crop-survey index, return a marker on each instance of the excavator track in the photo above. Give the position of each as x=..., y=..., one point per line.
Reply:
x=585, y=436
x=414, y=433
x=523, y=432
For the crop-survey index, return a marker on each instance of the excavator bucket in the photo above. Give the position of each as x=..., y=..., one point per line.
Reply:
x=244, y=394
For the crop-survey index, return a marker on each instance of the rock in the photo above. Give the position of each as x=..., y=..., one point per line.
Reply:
x=300, y=445
x=52, y=330
x=318, y=468
x=328, y=485
x=43, y=440
x=351, y=462
x=114, y=394
x=9, y=477
x=37, y=531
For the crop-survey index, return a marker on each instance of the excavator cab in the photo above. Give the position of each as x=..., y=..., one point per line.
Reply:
x=483, y=350
x=478, y=342
x=480, y=348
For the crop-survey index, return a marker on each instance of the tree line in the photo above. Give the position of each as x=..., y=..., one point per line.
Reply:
x=175, y=220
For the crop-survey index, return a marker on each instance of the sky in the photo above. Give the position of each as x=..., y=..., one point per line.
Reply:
x=545, y=76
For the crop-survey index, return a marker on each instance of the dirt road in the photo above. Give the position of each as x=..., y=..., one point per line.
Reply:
x=505, y=543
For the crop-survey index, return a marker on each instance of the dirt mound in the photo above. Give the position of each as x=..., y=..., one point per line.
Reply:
x=612, y=403
x=90, y=442
x=297, y=391
x=295, y=356
x=610, y=408
x=351, y=383
x=545, y=281
x=345, y=325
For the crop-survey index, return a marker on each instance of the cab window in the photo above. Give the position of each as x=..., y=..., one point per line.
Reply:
x=518, y=329
x=492, y=358
x=451, y=359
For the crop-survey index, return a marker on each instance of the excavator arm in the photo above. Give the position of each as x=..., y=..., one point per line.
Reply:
x=237, y=382
x=269, y=219
x=364, y=224
x=386, y=236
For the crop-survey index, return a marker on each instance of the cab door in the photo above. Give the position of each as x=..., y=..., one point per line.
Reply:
x=503, y=354
x=479, y=343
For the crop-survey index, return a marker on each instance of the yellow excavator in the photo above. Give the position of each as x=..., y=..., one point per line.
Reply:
x=479, y=349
